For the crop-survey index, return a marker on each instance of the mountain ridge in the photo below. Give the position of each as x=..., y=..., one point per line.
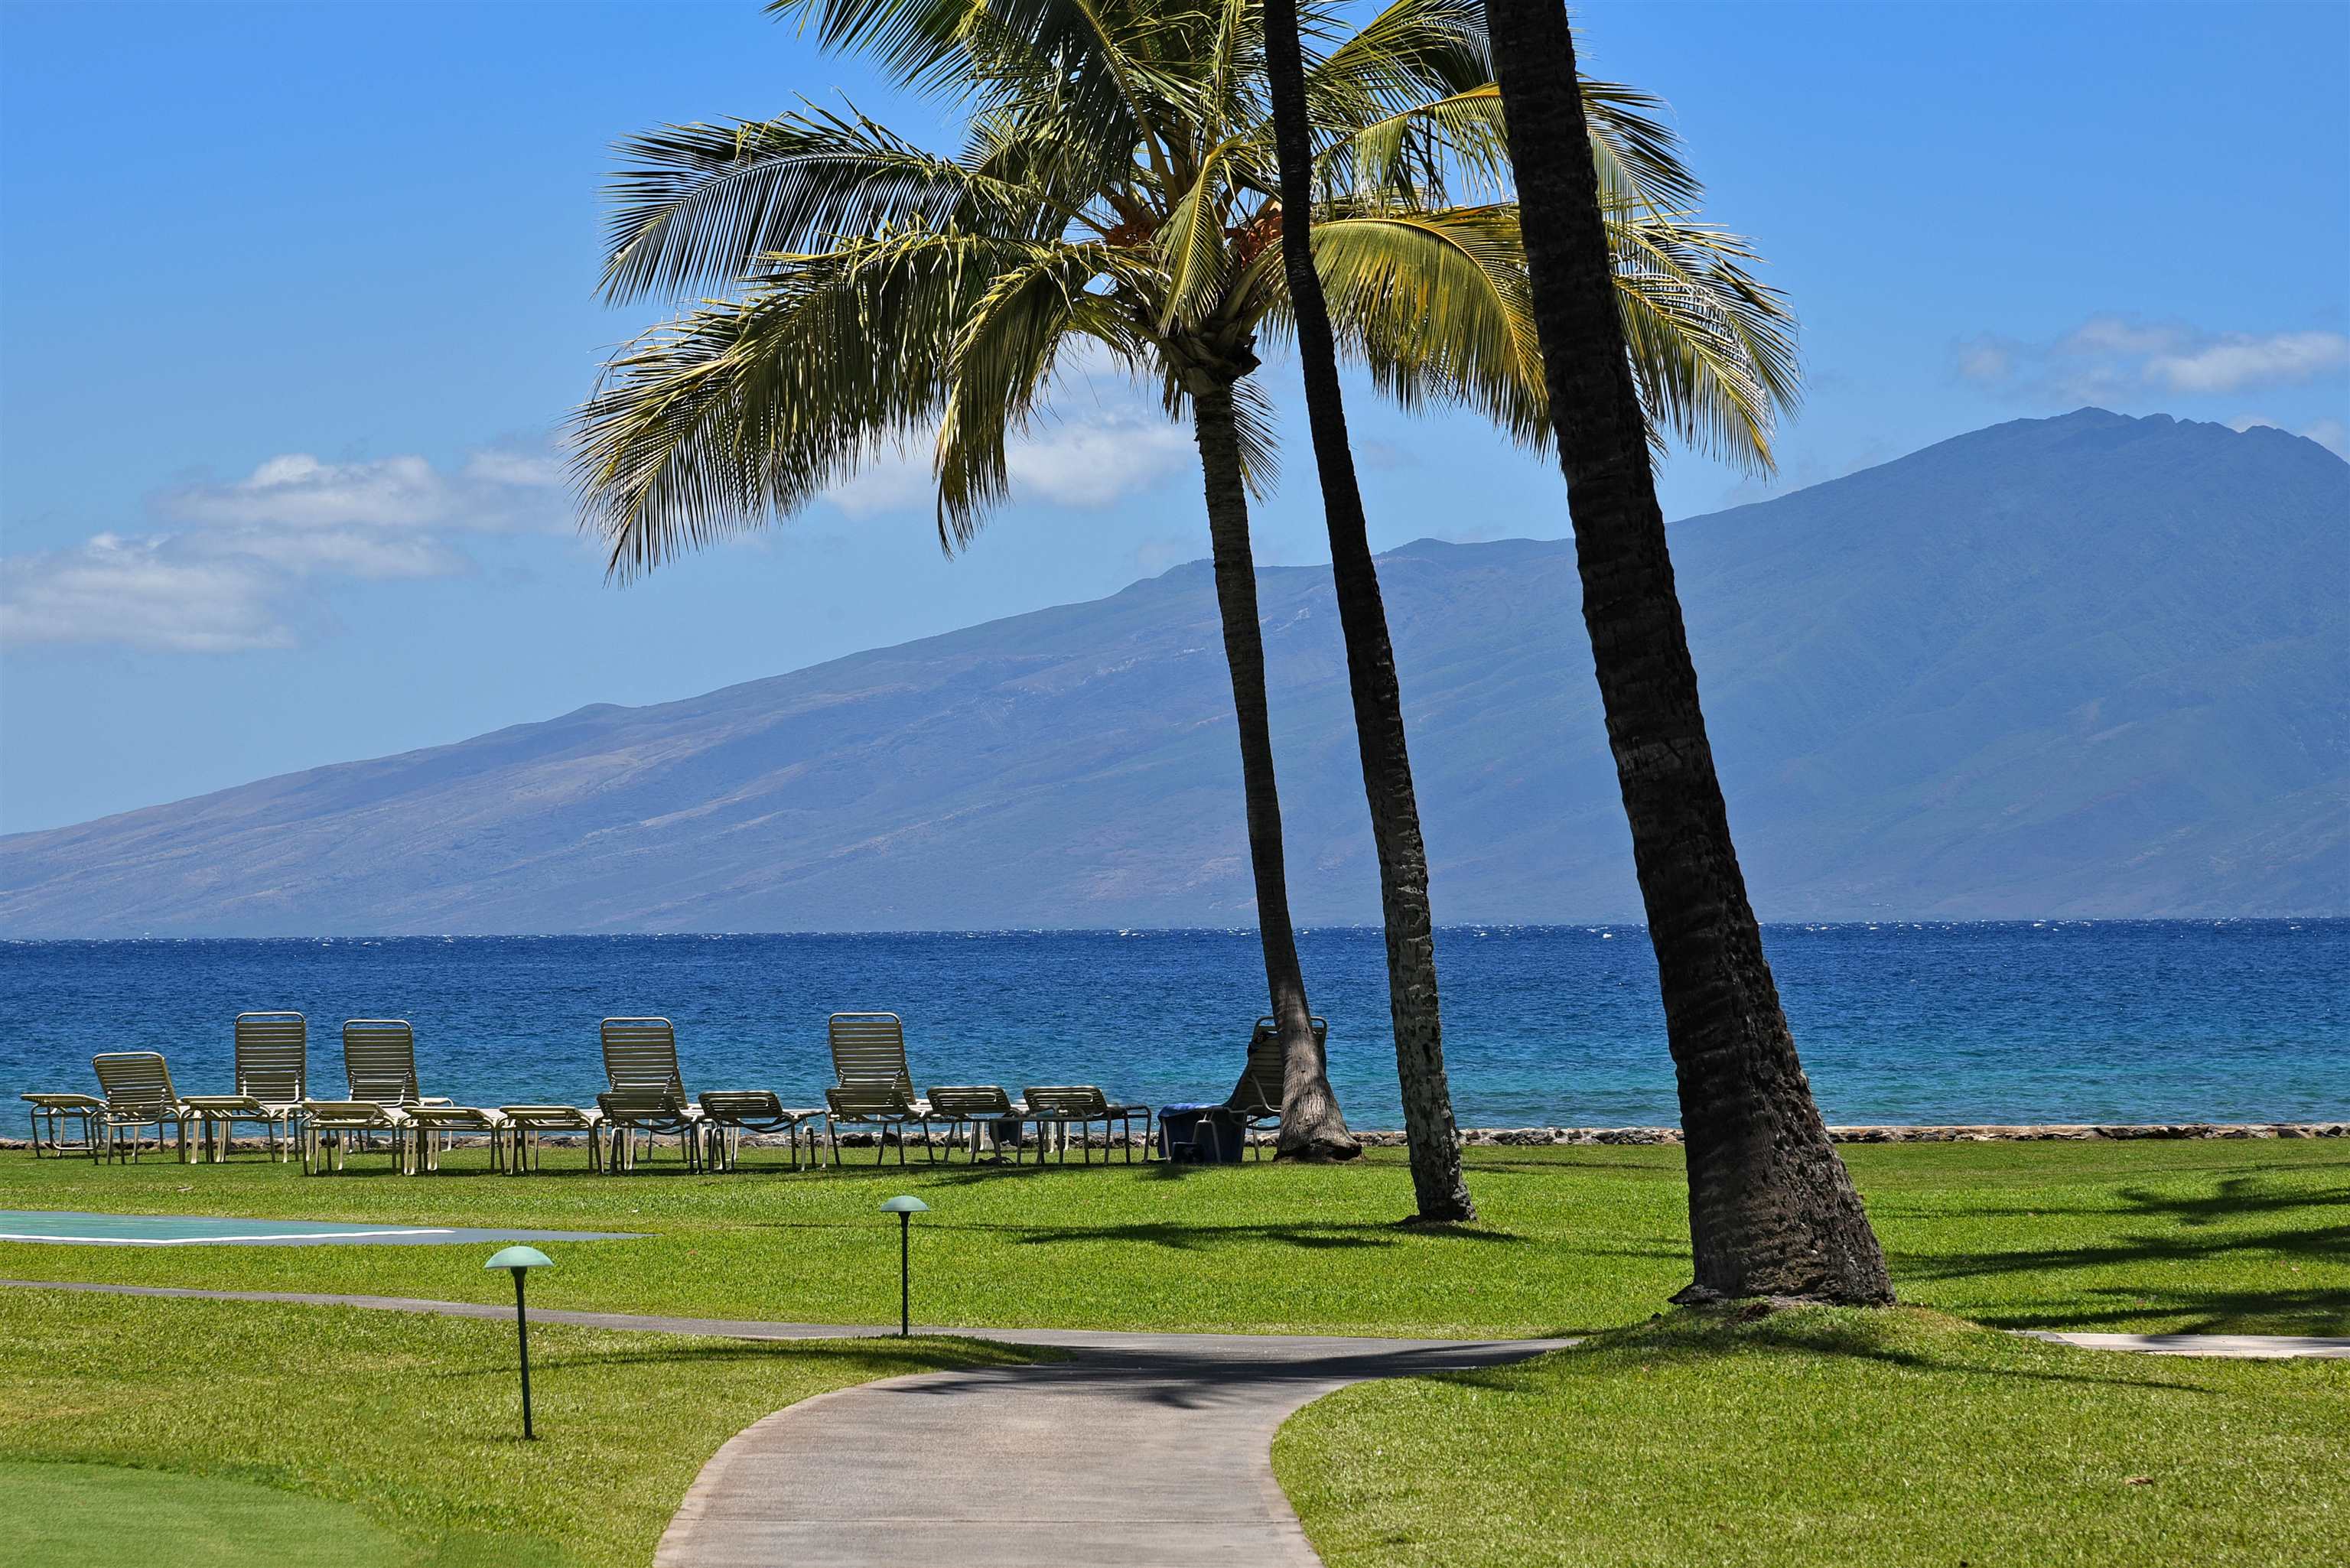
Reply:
x=2078, y=665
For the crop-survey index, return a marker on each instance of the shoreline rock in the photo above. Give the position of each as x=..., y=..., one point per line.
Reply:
x=2047, y=1132
x=1552, y=1137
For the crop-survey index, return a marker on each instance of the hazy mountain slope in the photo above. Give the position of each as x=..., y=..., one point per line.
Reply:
x=2090, y=665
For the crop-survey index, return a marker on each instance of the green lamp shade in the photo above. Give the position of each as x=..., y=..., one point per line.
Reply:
x=520, y=1258
x=905, y=1206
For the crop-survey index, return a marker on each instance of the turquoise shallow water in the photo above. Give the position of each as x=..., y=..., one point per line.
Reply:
x=75, y=1229
x=1559, y=1025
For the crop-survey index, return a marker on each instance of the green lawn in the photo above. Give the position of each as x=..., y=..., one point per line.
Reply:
x=318, y=1435
x=1819, y=1436
x=49, y=1508
x=1904, y=1436
x=2244, y=1236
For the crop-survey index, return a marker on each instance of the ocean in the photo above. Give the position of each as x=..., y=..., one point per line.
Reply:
x=1553, y=1025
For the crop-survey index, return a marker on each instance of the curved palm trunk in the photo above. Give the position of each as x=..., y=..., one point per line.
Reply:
x=1312, y=1126
x=1438, y=1184
x=1772, y=1209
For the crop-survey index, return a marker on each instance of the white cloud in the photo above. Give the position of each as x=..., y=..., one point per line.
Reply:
x=1091, y=464
x=506, y=465
x=2238, y=360
x=893, y=478
x=494, y=492
x=1085, y=464
x=2114, y=360
x=1985, y=359
x=2113, y=334
x=231, y=555
x=140, y=593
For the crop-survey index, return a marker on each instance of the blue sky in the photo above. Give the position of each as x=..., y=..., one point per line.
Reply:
x=294, y=298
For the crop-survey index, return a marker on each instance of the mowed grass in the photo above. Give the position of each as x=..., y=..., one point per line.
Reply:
x=1824, y=1437
x=2249, y=1236
x=49, y=1508
x=298, y=1435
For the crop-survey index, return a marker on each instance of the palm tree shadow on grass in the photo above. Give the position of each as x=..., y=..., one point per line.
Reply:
x=1187, y=1236
x=1761, y=1338
x=876, y=1355
x=2312, y=1309
x=2232, y=1197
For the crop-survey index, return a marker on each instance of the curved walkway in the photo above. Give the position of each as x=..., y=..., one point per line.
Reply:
x=1139, y=1448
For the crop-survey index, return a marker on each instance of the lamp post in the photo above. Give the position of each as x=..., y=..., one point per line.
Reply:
x=905, y=1209
x=520, y=1261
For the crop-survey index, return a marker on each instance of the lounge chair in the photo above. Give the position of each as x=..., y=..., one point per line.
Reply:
x=648, y=1094
x=138, y=1094
x=1063, y=1106
x=273, y=1069
x=1256, y=1098
x=526, y=1124
x=379, y=1066
x=49, y=1111
x=970, y=1109
x=874, y=1087
x=728, y=1114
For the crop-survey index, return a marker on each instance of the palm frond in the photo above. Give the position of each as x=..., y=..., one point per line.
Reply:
x=1094, y=58
x=743, y=411
x=695, y=205
x=1192, y=246
x=1411, y=52
x=1001, y=364
x=1115, y=184
x=1637, y=155
x=1427, y=153
x=1712, y=348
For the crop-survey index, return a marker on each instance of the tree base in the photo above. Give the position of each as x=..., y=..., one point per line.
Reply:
x=1705, y=1298
x=1319, y=1151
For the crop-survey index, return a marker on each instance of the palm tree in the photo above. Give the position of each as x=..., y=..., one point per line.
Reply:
x=1116, y=189
x=1440, y=1186
x=1773, y=1211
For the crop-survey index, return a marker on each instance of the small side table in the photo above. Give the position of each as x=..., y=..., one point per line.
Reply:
x=48, y=1111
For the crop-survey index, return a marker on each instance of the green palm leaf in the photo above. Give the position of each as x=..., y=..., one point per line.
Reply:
x=695, y=205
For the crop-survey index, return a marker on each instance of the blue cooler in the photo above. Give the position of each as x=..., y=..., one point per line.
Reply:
x=1200, y=1135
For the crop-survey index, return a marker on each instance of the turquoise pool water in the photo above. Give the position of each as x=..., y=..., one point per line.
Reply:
x=214, y=1230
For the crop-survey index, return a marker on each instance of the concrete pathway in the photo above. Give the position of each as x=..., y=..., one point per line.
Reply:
x=1138, y=1448
x=1155, y=1450
x=2241, y=1346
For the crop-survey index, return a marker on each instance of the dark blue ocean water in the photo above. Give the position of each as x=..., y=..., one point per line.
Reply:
x=2243, y=1020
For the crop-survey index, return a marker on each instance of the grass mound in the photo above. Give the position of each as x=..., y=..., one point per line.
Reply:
x=1819, y=1436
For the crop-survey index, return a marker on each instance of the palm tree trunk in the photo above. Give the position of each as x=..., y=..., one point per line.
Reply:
x=1438, y=1184
x=1312, y=1128
x=1772, y=1209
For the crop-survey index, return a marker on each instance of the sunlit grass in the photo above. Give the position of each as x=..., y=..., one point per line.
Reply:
x=1822, y=1436
x=2238, y=1236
